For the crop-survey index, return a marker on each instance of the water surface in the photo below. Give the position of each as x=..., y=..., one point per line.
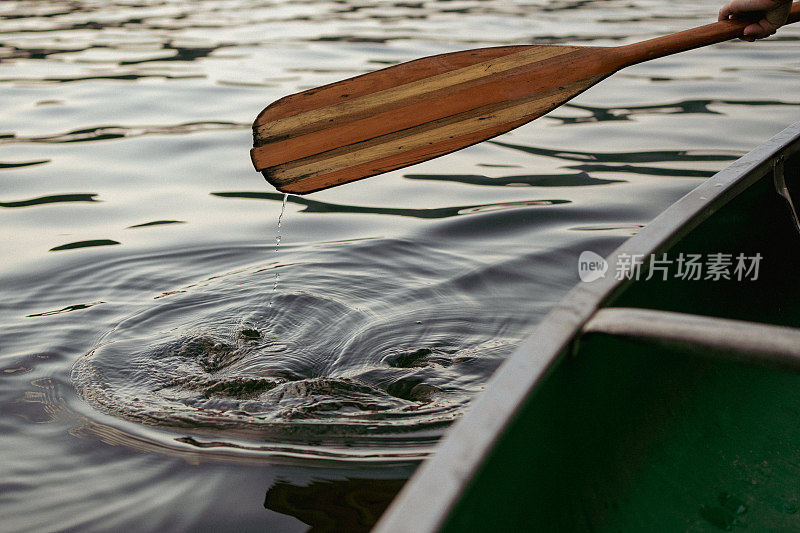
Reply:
x=148, y=383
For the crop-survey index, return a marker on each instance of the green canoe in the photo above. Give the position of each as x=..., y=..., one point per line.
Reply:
x=663, y=404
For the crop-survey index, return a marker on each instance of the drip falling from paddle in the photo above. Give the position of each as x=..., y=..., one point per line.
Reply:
x=277, y=247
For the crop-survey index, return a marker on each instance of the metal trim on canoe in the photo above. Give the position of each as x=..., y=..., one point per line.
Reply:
x=426, y=500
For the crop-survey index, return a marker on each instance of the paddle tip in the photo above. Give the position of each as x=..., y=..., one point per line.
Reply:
x=282, y=187
x=300, y=187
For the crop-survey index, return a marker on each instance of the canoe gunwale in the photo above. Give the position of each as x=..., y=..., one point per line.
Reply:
x=426, y=500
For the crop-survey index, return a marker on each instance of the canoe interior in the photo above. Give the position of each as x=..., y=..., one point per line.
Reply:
x=623, y=436
x=756, y=221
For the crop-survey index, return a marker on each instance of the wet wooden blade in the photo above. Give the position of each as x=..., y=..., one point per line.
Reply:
x=411, y=112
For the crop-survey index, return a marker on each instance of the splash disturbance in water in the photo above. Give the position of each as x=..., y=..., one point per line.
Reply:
x=353, y=363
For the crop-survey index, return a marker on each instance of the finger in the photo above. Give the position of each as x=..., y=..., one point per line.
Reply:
x=760, y=29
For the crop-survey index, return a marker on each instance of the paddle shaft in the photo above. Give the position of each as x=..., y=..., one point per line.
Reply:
x=714, y=33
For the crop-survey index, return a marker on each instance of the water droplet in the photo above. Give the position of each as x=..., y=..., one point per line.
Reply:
x=277, y=247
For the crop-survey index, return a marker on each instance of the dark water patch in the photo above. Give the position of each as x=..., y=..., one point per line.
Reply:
x=229, y=83
x=420, y=358
x=157, y=223
x=52, y=199
x=639, y=20
x=173, y=52
x=630, y=229
x=60, y=21
x=357, y=39
x=180, y=53
x=111, y=76
x=41, y=12
x=658, y=79
x=610, y=114
x=573, y=39
x=650, y=156
x=358, y=506
x=567, y=5
x=85, y=244
x=646, y=171
x=763, y=70
x=321, y=70
x=17, y=52
x=581, y=179
x=340, y=72
x=314, y=206
x=67, y=309
x=23, y=164
x=103, y=133
x=313, y=506
x=413, y=389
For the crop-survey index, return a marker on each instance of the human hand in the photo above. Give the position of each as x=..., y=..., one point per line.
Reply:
x=773, y=15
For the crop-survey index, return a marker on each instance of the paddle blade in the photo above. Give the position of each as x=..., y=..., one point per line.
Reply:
x=412, y=112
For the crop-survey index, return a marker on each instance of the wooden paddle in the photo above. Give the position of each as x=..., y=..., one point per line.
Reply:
x=415, y=111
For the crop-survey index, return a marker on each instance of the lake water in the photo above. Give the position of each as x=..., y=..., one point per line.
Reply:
x=147, y=382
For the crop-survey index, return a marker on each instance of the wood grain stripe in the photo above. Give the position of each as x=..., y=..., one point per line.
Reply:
x=368, y=104
x=379, y=80
x=432, y=106
x=400, y=160
x=509, y=112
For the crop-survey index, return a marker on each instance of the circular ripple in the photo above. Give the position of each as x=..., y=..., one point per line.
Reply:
x=349, y=360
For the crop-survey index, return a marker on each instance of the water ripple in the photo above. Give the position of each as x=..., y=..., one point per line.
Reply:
x=102, y=133
x=315, y=206
x=84, y=244
x=23, y=163
x=581, y=179
x=650, y=156
x=608, y=114
x=387, y=353
x=52, y=199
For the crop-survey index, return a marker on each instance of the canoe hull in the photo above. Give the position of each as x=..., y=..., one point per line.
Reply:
x=584, y=428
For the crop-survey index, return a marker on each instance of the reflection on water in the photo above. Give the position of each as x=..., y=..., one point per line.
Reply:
x=605, y=114
x=67, y=309
x=356, y=507
x=646, y=171
x=23, y=163
x=313, y=206
x=104, y=133
x=581, y=179
x=51, y=199
x=156, y=223
x=84, y=244
x=148, y=385
x=649, y=156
